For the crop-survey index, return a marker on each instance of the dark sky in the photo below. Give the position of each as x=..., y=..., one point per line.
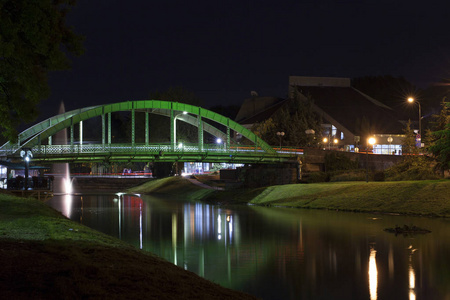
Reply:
x=222, y=50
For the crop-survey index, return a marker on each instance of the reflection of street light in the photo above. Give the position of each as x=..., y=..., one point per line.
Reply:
x=370, y=141
x=26, y=154
x=412, y=100
x=280, y=135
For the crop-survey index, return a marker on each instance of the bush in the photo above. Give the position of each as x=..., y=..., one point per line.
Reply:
x=335, y=161
x=352, y=175
x=378, y=176
x=416, y=167
x=316, y=177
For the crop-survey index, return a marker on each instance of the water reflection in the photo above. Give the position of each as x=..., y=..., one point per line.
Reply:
x=373, y=274
x=276, y=253
x=412, y=275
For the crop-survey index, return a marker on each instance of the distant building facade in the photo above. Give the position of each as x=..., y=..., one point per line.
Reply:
x=348, y=116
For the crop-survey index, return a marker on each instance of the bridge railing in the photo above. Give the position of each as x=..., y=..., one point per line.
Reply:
x=88, y=148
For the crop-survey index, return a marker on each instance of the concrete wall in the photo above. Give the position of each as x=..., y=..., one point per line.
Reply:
x=376, y=162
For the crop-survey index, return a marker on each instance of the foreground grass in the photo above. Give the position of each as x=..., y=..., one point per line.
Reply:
x=43, y=255
x=429, y=198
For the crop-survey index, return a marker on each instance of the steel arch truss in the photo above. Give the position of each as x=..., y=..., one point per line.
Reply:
x=32, y=137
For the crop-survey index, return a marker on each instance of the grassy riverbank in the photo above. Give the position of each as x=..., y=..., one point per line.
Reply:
x=43, y=255
x=428, y=198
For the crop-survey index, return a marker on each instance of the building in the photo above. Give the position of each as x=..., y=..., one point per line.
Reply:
x=349, y=116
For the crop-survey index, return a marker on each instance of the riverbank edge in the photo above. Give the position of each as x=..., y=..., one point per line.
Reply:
x=44, y=255
x=430, y=198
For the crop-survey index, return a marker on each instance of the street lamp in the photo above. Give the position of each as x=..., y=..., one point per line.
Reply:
x=27, y=155
x=335, y=142
x=412, y=100
x=175, y=127
x=280, y=135
x=325, y=141
x=371, y=141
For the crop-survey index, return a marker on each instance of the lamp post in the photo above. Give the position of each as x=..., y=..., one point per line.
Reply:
x=280, y=135
x=219, y=143
x=325, y=141
x=412, y=100
x=27, y=155
x=335, y=142
x=175, y=127
x=370, y=141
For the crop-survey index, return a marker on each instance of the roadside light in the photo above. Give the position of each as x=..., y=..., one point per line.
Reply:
x=335, y=141
x=370, y=141
x=325, y=140
x=219, y=141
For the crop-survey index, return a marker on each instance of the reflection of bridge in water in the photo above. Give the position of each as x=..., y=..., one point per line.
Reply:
x=249, y=149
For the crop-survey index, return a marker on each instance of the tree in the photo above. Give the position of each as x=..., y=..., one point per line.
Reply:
x=409, y=141
x=33, y=41
x=440, y=144
x=294, y=118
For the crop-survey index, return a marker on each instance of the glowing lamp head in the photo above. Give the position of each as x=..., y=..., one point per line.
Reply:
x=410, y=99
x=335, y=141
x=325, y=140
x=372, y=141
x=219, y=141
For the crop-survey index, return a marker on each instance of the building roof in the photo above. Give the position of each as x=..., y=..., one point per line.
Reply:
x=349, y=107
x=258, y=109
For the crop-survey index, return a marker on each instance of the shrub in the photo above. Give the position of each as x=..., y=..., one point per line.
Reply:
x=338, y=161
x=352, y=175
x=416, y=167
x=378, y=176
x=316, y=177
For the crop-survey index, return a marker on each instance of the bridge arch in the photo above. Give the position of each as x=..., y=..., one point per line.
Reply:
x=174, y=110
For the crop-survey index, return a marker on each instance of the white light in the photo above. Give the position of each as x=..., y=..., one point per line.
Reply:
x=373, y=275
x=219, y=141
x=180, y=145
x=27, y=159
x=184, y=112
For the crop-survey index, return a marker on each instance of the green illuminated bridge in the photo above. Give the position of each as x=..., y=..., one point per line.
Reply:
x=43, y=139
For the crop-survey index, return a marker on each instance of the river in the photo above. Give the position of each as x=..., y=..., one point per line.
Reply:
x=278, y=253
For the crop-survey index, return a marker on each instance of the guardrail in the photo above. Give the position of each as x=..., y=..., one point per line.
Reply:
x=141, y=148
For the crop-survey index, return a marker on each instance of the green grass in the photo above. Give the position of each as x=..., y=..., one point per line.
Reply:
x=427, y=197
x=431, y=198
x=175, y=186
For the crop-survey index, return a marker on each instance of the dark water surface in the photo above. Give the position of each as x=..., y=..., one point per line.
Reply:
x=278, y=253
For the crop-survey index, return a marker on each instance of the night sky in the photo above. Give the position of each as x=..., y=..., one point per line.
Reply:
x=223, y=50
